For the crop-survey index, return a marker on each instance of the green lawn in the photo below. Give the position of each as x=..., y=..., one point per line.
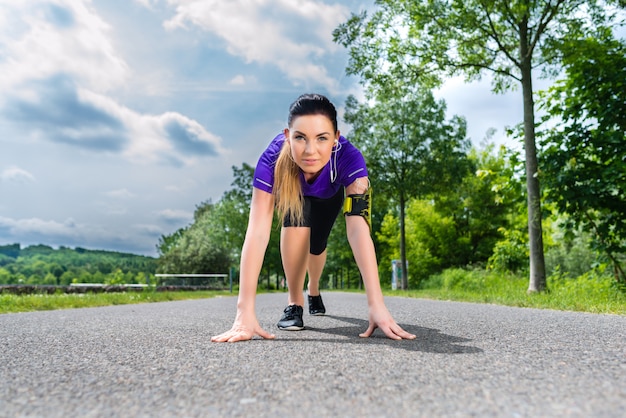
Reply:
x=42, y=302
x=584, y=294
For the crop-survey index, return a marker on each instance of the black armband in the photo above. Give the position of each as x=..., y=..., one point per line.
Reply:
x=359, y=204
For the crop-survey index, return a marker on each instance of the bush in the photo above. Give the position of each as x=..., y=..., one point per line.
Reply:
x=570, y=256
x=511, y=254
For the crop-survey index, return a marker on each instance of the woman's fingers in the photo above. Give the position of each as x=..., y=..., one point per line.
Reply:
x=264, y=334
x=406, y=335
x=391, y=334
x=395, y=332
x=369, y=330
x=401, y=334
x=222, y=337
x=239, y=335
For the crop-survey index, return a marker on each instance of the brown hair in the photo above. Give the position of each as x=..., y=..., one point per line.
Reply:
x=287, y=188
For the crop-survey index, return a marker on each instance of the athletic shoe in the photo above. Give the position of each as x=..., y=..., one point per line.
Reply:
x=316, y=306
x=291, y=319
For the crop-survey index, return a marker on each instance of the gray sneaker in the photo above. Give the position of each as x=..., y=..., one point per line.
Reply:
x=291, y=319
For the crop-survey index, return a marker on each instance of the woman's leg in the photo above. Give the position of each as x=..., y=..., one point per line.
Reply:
x=294, y=251
x=315, y=268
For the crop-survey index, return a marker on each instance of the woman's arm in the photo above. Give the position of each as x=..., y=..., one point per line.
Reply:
x=365, y=255
x=255, y=243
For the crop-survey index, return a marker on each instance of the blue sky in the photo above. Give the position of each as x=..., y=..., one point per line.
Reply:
x=118, y=117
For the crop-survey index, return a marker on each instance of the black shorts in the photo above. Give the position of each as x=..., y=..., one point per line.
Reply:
x=320, y=216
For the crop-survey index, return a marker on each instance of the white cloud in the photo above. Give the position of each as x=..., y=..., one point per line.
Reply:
x=39, y=227
x=119, y=194
x=293, y=36
x=149, y=4
x=148, y=229
x=173, y=216
x=70, y=233
x=183, y=186
x=52, y=37
x=59, y=65
x=238, y=80
x=16, y=174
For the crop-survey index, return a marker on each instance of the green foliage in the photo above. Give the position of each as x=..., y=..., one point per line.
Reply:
x=461, y=280
x=11, y=250
x=421, y=43
x=41, y=264
x=340, y=266
x=459, y=225
x=481, y=204
x=196, y=251
x=212, y=243
x=388, y=237
x=571, y=255
x=431, y=238
x=594, y=285
x=42, y=302
x=168, y=242
x=593, y=291
x=511, y=253
x=410, y=148
x=584, y=157
x=118, y=277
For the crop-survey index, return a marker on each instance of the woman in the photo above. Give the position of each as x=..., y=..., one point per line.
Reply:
x=303, y=173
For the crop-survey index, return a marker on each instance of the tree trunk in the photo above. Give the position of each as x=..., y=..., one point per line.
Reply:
x=405, y=276
x=537, y=281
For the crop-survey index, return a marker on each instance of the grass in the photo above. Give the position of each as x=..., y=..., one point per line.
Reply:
x=43, y=302
x=589, y=293
x=584, y=294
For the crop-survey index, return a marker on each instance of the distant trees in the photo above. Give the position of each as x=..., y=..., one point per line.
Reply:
x=410, y=148
x=42, y=264
x=212, y=243
x=456, y=226
x=195, y=249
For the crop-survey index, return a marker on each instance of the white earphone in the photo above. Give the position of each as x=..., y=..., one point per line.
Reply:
x=333, y=161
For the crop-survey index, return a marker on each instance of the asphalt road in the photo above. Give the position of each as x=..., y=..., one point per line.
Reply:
x=156, y=360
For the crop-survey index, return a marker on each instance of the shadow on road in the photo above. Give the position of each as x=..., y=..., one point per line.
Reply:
x=428, y=340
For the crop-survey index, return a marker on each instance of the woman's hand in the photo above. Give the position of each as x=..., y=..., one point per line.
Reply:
x=245, y=328
x=381, y=318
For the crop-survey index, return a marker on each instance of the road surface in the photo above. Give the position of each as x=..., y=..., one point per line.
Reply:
x=156, y=360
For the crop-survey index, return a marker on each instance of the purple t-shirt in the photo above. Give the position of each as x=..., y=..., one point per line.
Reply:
x=350, y=166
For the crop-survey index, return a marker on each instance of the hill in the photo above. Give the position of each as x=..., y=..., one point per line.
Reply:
x=42, y=264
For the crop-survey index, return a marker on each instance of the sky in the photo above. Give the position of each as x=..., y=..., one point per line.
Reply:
x=119, y=117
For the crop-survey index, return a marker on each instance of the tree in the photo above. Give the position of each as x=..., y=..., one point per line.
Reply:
x=585, y=152
x=424, y=41
x=409, y=147
x=212, y=243
x=168, y=242
x=230, y=221
x=10, y=250
x=481, y=205
x=196, y=251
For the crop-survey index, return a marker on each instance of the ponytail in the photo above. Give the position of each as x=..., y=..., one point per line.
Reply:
x=287, y=189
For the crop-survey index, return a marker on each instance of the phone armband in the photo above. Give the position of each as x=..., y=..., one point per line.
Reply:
x=359, y=205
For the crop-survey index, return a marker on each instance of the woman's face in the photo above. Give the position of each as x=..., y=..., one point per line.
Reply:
x=311, y=139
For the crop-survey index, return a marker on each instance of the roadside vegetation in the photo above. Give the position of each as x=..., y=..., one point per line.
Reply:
x=10, y=303
x=593, y=293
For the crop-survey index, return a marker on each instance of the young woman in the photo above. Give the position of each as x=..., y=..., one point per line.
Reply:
x=303, y=174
